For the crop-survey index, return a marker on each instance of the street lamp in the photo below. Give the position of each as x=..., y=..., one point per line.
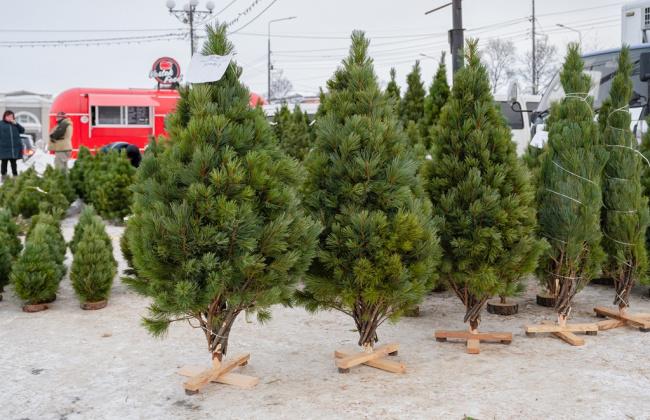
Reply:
x=571, y=29
x=189, y=15
x=268, y=55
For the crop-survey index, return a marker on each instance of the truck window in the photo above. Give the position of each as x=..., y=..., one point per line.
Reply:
x=108, y=115
x=138, y=115
x=515, y=119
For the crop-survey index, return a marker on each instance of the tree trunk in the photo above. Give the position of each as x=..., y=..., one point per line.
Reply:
x=503, y=299
x=623, y=284
x=218, y=340
x=367, y=320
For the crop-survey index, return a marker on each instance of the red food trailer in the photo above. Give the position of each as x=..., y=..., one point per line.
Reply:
x=103, y=116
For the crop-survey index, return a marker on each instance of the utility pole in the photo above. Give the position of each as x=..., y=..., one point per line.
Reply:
x=269, y=66
x=189, y=15
x=534, y=64
x=456, y=37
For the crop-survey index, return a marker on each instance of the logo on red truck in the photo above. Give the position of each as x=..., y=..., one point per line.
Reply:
x=166, y=71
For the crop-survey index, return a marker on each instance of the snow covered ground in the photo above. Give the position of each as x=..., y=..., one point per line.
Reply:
x=66, y=363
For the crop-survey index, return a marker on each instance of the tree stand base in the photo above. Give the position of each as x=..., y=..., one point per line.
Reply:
x=563, y=332
x=220, y=372
x=93, y=306
x=618, y=319
x=498, y=308
x=375, y=358
x=474, y=339
x=37, y=307
x=546, y=300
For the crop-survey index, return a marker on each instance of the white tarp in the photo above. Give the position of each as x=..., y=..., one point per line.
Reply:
x=207, y=68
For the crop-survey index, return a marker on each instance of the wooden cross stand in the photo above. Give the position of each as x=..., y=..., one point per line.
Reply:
x=220, y=372
x=621, y=318
x=563, y=331
x=474, y=338
x=373, y=358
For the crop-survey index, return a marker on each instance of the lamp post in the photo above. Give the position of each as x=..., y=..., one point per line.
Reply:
x=268, y=55
x=190, y=15
x=573, y=30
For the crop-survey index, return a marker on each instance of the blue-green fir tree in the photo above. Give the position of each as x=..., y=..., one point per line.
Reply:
x=482, y=192
x=217, y=226
x=379, y=249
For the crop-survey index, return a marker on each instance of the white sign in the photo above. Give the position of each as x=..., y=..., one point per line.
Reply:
x=207, y=68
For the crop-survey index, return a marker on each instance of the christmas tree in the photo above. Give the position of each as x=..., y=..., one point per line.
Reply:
x=57, y=181
x=569, y=196
x=379, y=249
x=435, y=100
x=81, y=167
x=217, y=227
x=88, y=218
x=412, y=105
x=108, y=184
x=393, y=90
x=644, y=148
x=53, y=237
x=10, y=246
x=297, y=138
x=35, y=275
x=281, y=123
x=625, y=209
x=93, y=267
x=482, y=192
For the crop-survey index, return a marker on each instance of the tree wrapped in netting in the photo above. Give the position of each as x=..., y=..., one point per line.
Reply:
x=434, y=101
x=482, y=192
x=35, y=275
x=93, y=267
x=108, y=184
x=644, y=149
x=379, y=249
x=569, y=197
x=217, y=225
x=412, y=104
x=393, y=90
x=625, y=209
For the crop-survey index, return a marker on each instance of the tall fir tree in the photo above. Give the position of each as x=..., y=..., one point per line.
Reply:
x=482, y=191
x=379, y=248
x=434, y=101
x=393, y=90
x=644, y=148
x=10, y=246
x=625, y=208
x=281, y=123
x=569, y=197
x=297, y=137
x=218, y=228
x=412, y=104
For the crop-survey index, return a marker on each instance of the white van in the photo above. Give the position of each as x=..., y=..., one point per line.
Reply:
x=518, y=117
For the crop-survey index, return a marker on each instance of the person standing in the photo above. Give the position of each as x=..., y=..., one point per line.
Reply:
x=11, y=145
x=61, y=141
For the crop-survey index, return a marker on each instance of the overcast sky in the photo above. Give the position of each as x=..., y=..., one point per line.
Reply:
x=307, y=49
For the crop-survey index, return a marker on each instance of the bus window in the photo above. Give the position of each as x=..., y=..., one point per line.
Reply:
x=515, y=119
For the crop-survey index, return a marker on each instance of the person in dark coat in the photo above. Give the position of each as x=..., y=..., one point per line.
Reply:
x=11, y=145
x=132, y=151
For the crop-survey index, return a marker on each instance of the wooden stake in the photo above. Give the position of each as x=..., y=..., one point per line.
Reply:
x=375, y=358
x=220, y=372
x=640, y=321
x=474, y=338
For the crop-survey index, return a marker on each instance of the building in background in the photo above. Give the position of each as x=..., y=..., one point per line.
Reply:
x=32, y=111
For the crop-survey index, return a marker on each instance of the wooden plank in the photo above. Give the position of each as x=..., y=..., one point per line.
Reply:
x=610, y=324
x=473, y=345
x=236, y=379
x=190, y=371
x=552, y=327
x=634, y=320
x=359, y=358
x=199, y=381
x=383, y=364
x=481, y=336
x=570, y=338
